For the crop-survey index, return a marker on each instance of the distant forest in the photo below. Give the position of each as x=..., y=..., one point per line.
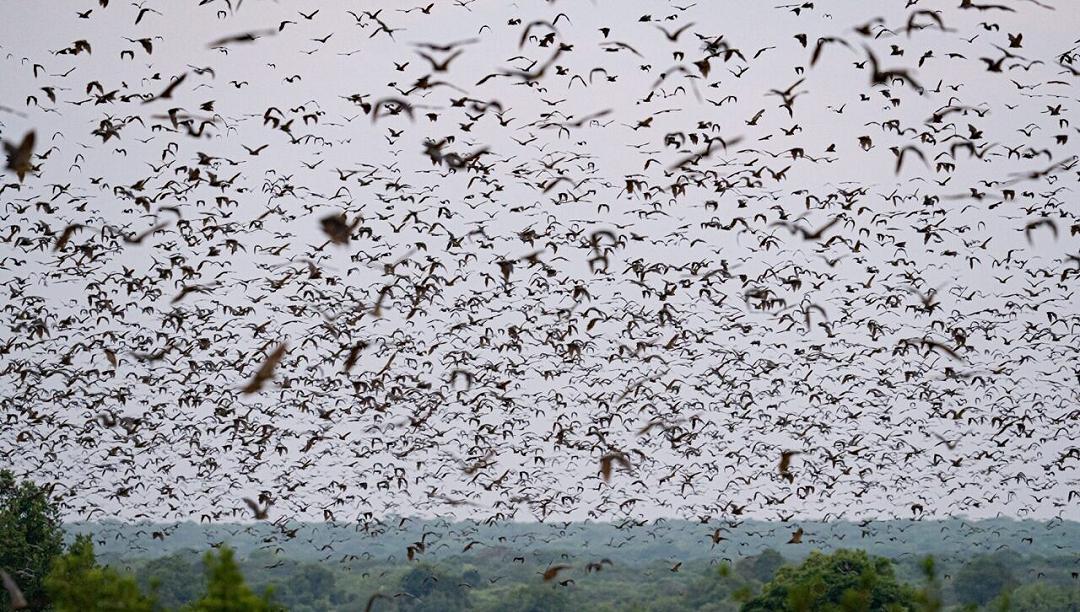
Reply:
x=658, y=566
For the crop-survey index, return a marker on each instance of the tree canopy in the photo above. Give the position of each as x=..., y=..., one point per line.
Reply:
x=428, y=589
x=844, y=580
x=226, y=590
x=77, y=583
x=638, y=580
x=982, y=578
x=30, y=537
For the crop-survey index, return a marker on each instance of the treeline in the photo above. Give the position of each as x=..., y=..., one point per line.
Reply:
x=765, y=582
x=407, y=565
x=632, y=542
x=1004, y=580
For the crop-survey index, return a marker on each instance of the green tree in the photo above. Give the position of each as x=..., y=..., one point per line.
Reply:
x=30, y=537
x=929, y=597
x=176, y=580
x=982, y=579
x=715, y=589
x=1039, y=597
x=430, y=589
x=226, y=590
x=298, y=587
x=534, y=598
x=845, y=580
x=761, y=567
x=77, y=583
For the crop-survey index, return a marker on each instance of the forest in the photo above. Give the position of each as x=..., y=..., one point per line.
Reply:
x=402, y=563
x=484, y=580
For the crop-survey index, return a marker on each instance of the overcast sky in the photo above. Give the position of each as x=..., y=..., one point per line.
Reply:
x=726, y=384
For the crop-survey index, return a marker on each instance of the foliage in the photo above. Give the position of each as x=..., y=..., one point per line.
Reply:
x=176, y=580
x=297, y=587
x=982, y=578
x=760, y=567
x=637, y=576
x=429, y=589
x=226, y=590
x=534, y=598
x=30, y=537
x=1039, y=597
x=929, y=597
x=77, y=583
x=844, y=580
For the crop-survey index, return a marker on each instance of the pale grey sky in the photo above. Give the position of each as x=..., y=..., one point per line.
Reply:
x=727, y=386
